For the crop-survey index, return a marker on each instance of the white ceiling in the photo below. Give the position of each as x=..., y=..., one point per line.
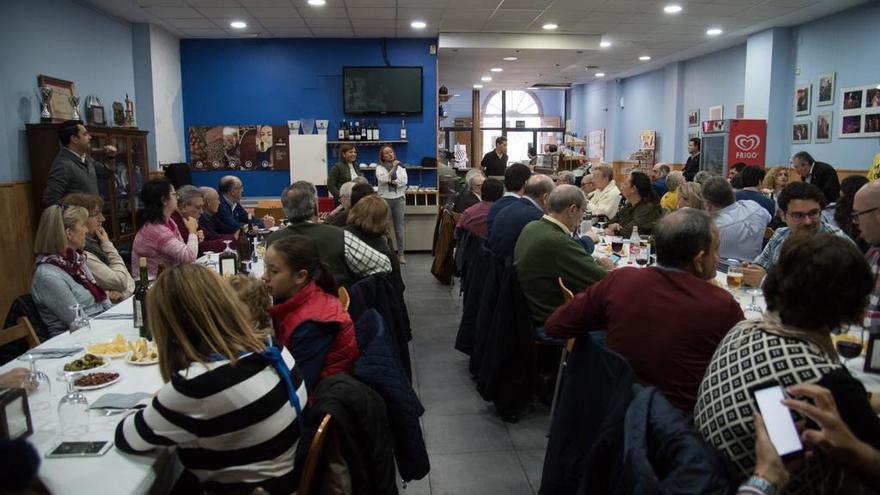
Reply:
x=634, y=27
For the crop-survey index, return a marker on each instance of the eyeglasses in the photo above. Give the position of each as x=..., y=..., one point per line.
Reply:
x=857, y=214
x=799, y=216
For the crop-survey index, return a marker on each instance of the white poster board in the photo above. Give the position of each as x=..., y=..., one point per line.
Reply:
x=596, y=145
x=308, y=158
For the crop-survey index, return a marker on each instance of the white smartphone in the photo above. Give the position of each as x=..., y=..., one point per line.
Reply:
x=777, y=418
x=80, y=449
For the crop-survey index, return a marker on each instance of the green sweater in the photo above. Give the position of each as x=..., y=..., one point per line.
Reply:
x=644, y=215
x=543, y=253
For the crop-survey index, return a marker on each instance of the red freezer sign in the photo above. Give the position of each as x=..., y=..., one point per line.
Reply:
x=747, y=142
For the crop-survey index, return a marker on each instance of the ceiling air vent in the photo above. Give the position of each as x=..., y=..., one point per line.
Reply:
x=551, y=86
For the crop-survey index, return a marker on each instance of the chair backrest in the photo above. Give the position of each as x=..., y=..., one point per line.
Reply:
x=22, y=330
x=768, y=233
x=313, y=457
x=277, y=213
x=344, y=299
x=567, y=294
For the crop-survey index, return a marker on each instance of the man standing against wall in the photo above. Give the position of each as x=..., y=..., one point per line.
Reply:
x=495, y=162
x=73, y=170
x=692, y=166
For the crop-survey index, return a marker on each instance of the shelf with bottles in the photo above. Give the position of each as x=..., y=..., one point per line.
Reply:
x=353, y=131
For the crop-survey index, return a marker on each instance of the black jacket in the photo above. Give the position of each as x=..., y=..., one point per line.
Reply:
x=481, y=307
x=477, y=273
x=378, y=292
x=509, y=224
x=691, y=167
x=464, y=201
x=825, y=178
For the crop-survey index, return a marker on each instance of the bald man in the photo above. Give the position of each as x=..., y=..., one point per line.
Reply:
x=208, y=221
x=231, y=216
x=866, y=213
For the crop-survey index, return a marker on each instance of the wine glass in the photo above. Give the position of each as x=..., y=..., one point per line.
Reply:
x=73, y=411
x=211, y=263
x=753, y=304
x=37, y=386
x=80, y=327
x=849, y=348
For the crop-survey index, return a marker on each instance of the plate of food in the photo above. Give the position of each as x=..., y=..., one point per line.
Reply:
x=96, y=380
x=116, y=348
x=143, y=353
x=85, y=363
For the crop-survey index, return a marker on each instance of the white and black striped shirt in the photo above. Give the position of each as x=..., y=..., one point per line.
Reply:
x=234, y=426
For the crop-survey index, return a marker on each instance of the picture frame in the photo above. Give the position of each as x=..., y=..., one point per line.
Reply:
x=693, y=117
x=802, y=99
x=95, y=116
x=824, y=121
x=800, y=132
x=859, y=112
x=825, y=93
x=716, y=112
x=872, y=356
x=59, y=104
x=740, y=110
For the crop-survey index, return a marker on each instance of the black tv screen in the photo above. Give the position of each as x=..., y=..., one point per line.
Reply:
x=382, y=90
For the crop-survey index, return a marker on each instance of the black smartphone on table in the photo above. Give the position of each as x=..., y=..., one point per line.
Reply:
x=79, y=449
x=783, y=434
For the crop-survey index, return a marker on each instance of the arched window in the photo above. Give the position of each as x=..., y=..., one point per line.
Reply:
x=519, y=106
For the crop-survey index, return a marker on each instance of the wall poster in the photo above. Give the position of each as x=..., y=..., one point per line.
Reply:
x=239, y=147
x=859, y=112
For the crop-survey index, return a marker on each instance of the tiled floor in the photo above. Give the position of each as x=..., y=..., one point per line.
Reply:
x=471, y=450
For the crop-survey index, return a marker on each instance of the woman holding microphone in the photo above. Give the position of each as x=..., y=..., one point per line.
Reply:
x=392, y=188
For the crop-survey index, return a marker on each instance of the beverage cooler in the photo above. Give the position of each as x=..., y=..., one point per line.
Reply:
x=729, y=141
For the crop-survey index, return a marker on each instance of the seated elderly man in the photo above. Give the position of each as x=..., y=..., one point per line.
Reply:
x=800, y=206
x=546, y=251
x=565, y=177
x=231, y=216
x=658, y=177
x=474, y=179
x=339, y=216
x=191, y=204
x=588, y=186
x=510, y=222
x=474, y=218
x=208, y=218
x=606, y=199
x=666, y=320
x=348, y=257
x=741, y=223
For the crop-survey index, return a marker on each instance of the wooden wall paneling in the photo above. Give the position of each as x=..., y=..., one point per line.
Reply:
x=18, y=226
x=476, y=112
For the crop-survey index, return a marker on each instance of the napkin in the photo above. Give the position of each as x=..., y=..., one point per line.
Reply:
x=115, y=316
x=119, y=401
x=48, y=353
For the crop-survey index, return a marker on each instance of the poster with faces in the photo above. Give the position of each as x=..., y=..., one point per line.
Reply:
x=860, y=112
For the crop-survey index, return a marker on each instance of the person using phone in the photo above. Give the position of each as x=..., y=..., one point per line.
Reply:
x=789, y=344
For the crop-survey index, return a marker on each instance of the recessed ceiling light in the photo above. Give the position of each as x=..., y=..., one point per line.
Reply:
x=317, y=3
x=672, y=9
x=418, y=24
x=485, y=79
x=496, y=69
x=238, y=24
x=714, y=31
x=510, y=59
x=605, y=44
x=478, y=86
x=600, y=74
x=456, y=94
x=644, y=58
x=550, y=26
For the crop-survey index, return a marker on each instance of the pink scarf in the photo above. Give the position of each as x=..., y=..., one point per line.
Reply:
x=72, y=263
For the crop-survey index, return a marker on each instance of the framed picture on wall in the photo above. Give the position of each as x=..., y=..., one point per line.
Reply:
x=860, y=112
x=800, y=132
x=851, y=126
x=802, y=99
x=872, y=125
x=693, y=117
x=716, y=112
x=823, y=126
x=826, y=89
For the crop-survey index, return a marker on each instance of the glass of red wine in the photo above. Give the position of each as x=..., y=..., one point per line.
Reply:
x=617, y=244
x=849, y=348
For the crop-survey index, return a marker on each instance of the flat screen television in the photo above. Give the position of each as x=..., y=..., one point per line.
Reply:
x=382, y=90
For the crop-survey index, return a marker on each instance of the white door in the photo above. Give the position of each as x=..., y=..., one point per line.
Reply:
x=308, y=158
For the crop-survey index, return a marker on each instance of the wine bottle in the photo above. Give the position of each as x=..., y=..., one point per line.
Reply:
x=364, y=131
x=140, y=301
x=340, y=134
x=403, y=130
x=228, y=261
x=345, y=131
x=376, y=132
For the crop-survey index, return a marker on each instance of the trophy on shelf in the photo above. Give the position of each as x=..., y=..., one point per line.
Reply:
x=118, y=114
x=129, y=112
x=45, y=96
x=74, y=104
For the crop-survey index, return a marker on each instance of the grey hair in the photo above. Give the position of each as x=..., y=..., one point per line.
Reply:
x=186, y=194
x=538, y=185
x=564, y=196
x=566, y=176
x=345, y=189
x=681, y=235
x=208, y=192
x=472, y=176
x=718, y=192
x=603, y=170
x=701, y=176
x=360, y=180
x=299, y=201
x=674, y=179
x=587, y=178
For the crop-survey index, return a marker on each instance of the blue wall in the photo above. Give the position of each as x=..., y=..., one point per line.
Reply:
x=643, y=109
x=62, y=39
x=271, y=81
x=716, y=79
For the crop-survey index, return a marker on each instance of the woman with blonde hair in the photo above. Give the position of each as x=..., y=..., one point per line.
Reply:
x=775, y=180
x=392, y=180
x=102, y=258
x=231, y=404
x=61, y=277
x=690, y=195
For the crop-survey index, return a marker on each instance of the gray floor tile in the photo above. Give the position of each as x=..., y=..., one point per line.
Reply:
x=530, y=432
x=415, y=487
x=487, y=473
x=533, y=464
x=483, y=432
x=453, y=400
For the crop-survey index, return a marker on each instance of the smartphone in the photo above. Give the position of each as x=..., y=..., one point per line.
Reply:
x=615, y=258
x=80, y=449
x=777, y=417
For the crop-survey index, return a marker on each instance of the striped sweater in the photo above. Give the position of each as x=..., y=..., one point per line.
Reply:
x=234, y=426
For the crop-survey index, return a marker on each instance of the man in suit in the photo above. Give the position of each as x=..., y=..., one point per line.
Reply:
x=692, y=166
x=231, y=216
x=511, y=220
x=471, y=196
x=74, y=170
x=515, y=178
x=819, y=174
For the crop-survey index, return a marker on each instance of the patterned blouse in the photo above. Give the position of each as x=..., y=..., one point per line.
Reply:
x=749, y=355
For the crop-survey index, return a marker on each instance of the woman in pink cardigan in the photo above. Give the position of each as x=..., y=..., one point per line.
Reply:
x=158, y=239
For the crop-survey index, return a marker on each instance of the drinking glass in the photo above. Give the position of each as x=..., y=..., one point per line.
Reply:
x=734, y=277
x=753, y=304
x=80, y=327
x=73, y=411
x=643, y=256
x=848, y=347
x=617, y=245
x=211, y=262
x=37, y=386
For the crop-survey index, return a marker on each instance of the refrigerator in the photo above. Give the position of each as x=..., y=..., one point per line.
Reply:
x=729, y=141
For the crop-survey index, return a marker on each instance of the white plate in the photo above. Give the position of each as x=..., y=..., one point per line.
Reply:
x=95, y=387
x=61, y=369
x=115, y=355
x=140, y=363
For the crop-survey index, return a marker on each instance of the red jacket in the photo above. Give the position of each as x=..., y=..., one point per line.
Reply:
x=311, y=303
x=211, y=243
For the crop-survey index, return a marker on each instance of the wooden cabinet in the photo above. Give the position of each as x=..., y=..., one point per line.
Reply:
x=120, y=190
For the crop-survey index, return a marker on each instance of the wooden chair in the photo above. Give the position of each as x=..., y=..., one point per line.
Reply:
x=313, y=457
x=567, y=295
x=344, y=299
x=21, y=330
x=768, y=233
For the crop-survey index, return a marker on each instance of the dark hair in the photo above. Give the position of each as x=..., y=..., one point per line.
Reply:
x=819, y=282
x=154, y=192
x=532, y=151
x=738, y=167
x=804, y=157
x=752, y=176
x=642, y=183
x=800, y=190
x=718, y=192
x=343, y=148
x=300, y=253
x=500, y=140
x=681, y=235
x=664, y=169
x=515, y=177
x=67, y=130
x=492, y=190
x=695, y=141
x=736, y=181
x=360, y=191
x=843, y=210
